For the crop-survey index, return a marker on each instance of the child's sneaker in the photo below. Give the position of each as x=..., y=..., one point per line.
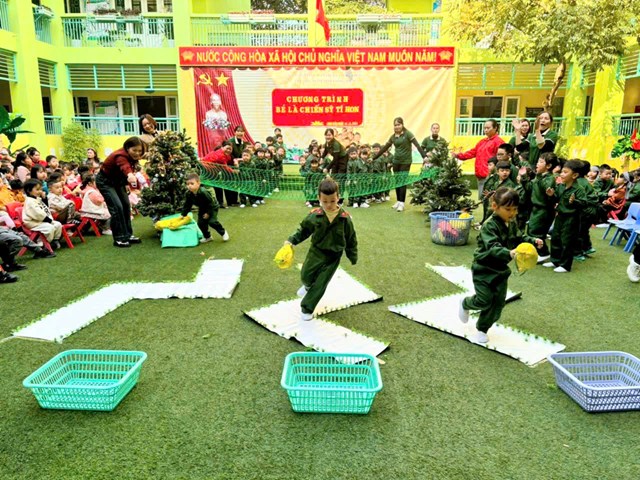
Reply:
x=55, y=244
x=400, y=207
x=302, y=291
x=355, y=205
x=633, y=270
x=549, y=265
x=206, y=240
x=387, y=198
x=255, y=205
x=480, y=337
x=591, y=251
x=305, y=317
x=580, y=258
x=276, y=189
x=8, y=278
x=543, y=258
x=43, y=253
x=262, y=202
x=463, y=314
x=378, y=200
x=395, y=205
x=364, y=205
x=242, y=205
x=560, y=270
x=107, y=232
x=225, y=237
x=308, y=204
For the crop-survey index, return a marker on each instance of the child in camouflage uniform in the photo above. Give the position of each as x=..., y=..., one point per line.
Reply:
x=332, y=232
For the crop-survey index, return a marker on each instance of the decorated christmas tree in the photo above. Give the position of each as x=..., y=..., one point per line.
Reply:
x=445, y=190
x=171, y=157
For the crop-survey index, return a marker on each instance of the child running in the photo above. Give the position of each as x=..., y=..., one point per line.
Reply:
x=332, y=232
x=207, y=208
x=497, y=241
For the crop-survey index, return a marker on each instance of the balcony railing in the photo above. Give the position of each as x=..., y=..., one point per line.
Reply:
x=474, y=127
x=4, y=15
x=293, y=31
x=123, y=125
x=285, y=30
x=52, y=125
x=43, y=28
x=583, y=125
x=118, y=31
x=626, y=123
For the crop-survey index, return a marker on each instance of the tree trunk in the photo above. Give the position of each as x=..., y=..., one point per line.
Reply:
x=557, y=83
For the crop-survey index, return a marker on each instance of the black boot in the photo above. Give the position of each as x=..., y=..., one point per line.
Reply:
x=7, y=278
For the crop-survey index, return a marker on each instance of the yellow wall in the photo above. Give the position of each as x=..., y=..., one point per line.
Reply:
x=631, y=95
x=410, y=6
x=220, y=6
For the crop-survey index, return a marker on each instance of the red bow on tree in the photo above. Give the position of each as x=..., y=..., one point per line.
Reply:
x=635, y=142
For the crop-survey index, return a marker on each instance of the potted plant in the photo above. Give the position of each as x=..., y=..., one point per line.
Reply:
x=10, y=125
x=627, y=147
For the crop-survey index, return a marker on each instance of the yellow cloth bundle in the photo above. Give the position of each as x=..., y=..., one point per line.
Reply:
x=284, y=257
x=526, y=257
x=173, y=223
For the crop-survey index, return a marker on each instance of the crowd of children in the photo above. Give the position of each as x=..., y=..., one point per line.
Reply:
x=40, y=196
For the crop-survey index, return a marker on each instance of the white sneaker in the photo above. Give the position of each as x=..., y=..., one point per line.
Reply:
x=463, y=314
x=106, y=232
x=255, y=205
x=560, y=270
x=262, y=202
x=480, y=337
x=396, y=205
x=549, y=265
x=225, y=237
x=543, y=258
x=400, y=207
x=276, y=189
x=364, y=205
x=355, y=205
x=387, y=198
x=308, y=204
x=305, y=317
x=378, y=200
x=206, y=240
x=633, y=270
x=302, y=291
x=242, y=205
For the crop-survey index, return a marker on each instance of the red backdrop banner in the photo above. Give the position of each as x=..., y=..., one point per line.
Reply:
x=401, y=57
x=301, y=107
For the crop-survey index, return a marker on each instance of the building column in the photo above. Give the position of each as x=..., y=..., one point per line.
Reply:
x=25, y=93
x=608, y=97
x=61, y=97
x=574, y=104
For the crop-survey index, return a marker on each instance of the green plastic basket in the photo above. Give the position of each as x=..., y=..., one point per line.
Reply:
x=86, y=379
x=331, y=382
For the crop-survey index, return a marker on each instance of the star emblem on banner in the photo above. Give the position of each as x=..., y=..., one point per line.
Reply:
x=222, y=79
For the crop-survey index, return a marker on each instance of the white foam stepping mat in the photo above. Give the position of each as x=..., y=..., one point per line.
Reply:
x=442, y=314
x=283, y=318
x=462, y=277
x=342, y=292
x=216, y=279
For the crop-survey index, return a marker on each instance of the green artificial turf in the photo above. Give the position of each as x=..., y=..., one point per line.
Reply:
x=213, y=407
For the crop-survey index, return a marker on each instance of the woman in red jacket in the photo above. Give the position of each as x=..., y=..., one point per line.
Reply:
x=222, y=156
x=482, y=152
x=115, y=173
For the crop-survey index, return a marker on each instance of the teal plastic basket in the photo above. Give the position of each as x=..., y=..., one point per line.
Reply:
x=86, y=379
x=331, y=382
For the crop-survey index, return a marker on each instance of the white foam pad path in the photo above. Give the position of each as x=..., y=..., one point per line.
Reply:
x=216, y=279
x=460, y=276
x=342, y=292
x=442, y=314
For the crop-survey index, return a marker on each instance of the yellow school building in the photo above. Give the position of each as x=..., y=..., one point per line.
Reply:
x=104, y=63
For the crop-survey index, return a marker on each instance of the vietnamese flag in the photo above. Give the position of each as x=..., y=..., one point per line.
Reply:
x=322, y=19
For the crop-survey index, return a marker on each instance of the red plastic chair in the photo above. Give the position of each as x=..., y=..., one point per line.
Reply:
x=92, y=223
x=33, y=236
x=75, y=199
x=74, y=228
x=14, y=213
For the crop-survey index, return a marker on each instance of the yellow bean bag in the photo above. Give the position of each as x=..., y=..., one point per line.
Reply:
x=526, y=257
x=284, y=257
x=173, y=223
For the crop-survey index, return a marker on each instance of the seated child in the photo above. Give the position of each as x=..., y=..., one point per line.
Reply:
x=63, y=208
x=14, y=242
x=328, y=241
x=207, y=208
x=93, y=204
x=17, y=190
x=36, y=215
x=497, y=242
x=6, y=198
